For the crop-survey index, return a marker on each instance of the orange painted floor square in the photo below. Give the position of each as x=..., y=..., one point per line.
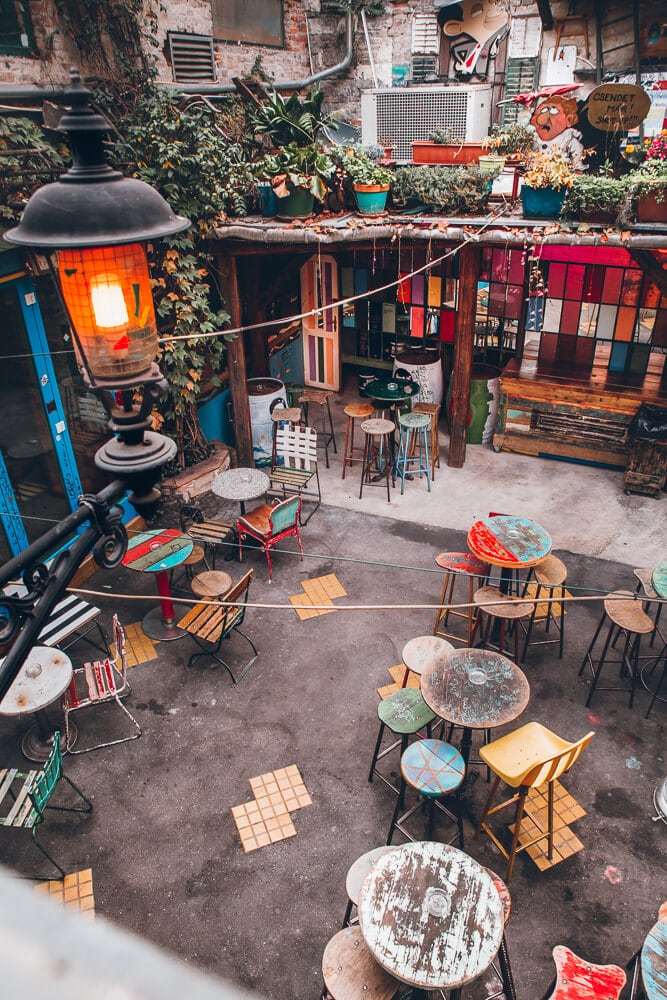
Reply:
x=321, y=590
x=397, y=673
x=75, y=891
x=138, y=646
x=265, y=819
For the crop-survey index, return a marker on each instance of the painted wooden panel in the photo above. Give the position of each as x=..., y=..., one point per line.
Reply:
x=321, y=347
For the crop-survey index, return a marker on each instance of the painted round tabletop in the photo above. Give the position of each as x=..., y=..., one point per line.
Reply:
x=391, y=390
x=659, y=579
x=509, y=541
x=240, y=484
x=157, y=550
x=431, y=915
x=44, y=675
x=654, y=962
x=475, y=688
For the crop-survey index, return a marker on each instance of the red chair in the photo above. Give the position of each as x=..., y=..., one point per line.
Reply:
x=577, y=979
x=269, y=525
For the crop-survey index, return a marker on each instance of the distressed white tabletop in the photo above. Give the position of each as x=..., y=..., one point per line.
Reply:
x=431, y=915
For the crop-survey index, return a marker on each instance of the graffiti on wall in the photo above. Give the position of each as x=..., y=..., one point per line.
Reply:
x=474, y=29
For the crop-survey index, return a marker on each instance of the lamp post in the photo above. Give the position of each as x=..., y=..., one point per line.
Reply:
x=92, y=223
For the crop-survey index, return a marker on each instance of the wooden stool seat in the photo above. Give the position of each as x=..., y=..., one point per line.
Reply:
x=286, y=414
x=404, y=713
x=462, y=562
x=492, y=603
x=195, y=556
x=351, y=973
x=577, y=978
x=625, y=614
x=419, y=652
x=628, y=614
x=321, y=397
x=353, y=412
x=436, y=770
x=356, y=874
x=212, y=583
x=551, y=572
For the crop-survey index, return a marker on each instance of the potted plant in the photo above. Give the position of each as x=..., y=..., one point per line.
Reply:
x=451, y=190
x=445, y=146
x=297, y=120
x=596, y=197
x=371, y=180
x=506, y=142
x=298, y=176
x=546, y=181
x=648, y=183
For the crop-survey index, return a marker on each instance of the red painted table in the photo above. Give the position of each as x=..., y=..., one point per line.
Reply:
x=159, y=552
x=510, y=542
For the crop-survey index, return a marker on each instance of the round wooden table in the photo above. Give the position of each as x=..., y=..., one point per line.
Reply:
x=510, y=542
x=41, y=680
x=431, y=916
x=474, y=689
x=159, y=551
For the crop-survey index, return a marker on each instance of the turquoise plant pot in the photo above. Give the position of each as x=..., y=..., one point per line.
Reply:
x=268, y=203
x=371, y=198
x=542, y=203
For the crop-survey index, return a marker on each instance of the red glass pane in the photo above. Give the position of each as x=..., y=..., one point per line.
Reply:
x=569, y=320
x=574, y=286
x=557, y=274
x=613, y=280
x=593, y=284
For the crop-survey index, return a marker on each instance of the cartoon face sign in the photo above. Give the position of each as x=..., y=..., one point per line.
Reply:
x=552, y=116
x=476, y=24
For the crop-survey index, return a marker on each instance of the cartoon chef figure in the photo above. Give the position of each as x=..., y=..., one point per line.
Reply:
x=553, y=119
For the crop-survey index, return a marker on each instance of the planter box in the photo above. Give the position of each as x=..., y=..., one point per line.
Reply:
x=197, y=479
x=454, y=154
x=542, y=203
x=649, y=209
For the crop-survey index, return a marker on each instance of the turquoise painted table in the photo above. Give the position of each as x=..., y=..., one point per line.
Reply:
x=159, y=551
x=654, y=962
x=395, y=390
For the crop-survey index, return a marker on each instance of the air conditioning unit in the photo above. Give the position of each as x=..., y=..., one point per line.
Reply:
x=403, y=115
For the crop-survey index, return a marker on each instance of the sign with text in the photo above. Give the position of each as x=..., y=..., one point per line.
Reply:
x=615, y=107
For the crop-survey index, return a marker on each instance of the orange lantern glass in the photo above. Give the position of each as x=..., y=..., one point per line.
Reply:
x=107, y=292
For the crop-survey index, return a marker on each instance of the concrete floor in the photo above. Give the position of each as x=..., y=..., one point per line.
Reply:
x=166, y=858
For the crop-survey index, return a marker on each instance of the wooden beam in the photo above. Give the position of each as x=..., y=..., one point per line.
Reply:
x=546, y=16
x=229, y=283
x=652, y=268
x=464, y=339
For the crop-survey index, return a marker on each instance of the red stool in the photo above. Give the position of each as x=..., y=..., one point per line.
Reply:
x=576, y=978
x=458, y=564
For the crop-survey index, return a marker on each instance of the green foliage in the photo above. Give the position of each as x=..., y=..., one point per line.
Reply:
x=27, y=160
x=371, y=8
x=296, y=167
x=461, y=190
x=595, y=193
x=362, y=168
x=649, y=179
x=295, y=120
x=510, y=140
x=442, y=136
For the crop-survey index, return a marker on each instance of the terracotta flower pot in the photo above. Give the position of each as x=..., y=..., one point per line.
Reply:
x=441, y=152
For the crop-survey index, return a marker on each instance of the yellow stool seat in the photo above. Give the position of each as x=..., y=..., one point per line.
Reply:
x=513, y=756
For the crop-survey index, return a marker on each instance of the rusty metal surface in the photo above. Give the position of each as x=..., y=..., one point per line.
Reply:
x=475, y=688
x=431, y=915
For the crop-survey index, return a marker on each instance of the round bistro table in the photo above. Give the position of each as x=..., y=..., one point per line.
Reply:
x=403, y=388
x=240, y=485
x=654, y=962
x=159, y=551
x=474, y=689
x=431, y=916
x=42, y=678
x=509, y=542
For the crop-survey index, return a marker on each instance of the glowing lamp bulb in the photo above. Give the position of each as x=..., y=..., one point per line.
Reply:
x=109, y=306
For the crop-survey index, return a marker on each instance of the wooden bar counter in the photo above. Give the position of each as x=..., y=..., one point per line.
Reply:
x=561, y=415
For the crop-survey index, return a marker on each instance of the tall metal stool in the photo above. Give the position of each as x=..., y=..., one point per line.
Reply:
x=435, y=770
x=656, y=696
x=350, y=971
x=625, y=615
x=645, y=586
x=433, y=410
x=458, y=565
x=378, y=461
x=356, y=874
x=413, y=448
x=404, y=713
x=550, y=576
x=353, y=412
x=504, y=970
x=320, y=397
x=196, y=556
x=492, y=603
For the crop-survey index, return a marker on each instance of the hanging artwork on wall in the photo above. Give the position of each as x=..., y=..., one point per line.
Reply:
x=474, y=29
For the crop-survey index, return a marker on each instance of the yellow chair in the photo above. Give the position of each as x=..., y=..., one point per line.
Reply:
x=530, y=757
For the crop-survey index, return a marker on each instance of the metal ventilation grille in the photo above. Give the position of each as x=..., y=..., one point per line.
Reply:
x=191, y=58
x=408, y=116
x=423, y=68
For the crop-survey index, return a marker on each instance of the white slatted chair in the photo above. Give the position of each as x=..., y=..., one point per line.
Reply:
x=71, y=619
x=96, y=684
x=294, y=470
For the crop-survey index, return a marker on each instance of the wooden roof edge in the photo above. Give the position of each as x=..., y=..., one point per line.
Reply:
x=514, y=232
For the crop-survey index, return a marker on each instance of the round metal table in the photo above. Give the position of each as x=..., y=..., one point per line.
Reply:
x=159, y=551
x=41, y=680
x=241, y=485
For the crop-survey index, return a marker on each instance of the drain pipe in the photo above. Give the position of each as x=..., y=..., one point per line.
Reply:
x=209, y=90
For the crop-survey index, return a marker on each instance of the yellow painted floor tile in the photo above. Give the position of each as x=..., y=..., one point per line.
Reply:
x=139, y=647
x=265, y=819
x=75, y=891
x=299, y=600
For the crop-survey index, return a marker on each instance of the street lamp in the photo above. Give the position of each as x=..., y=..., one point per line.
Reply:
x=92, y=224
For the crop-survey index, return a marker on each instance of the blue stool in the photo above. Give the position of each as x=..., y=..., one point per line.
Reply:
x=435, y=770
x=403, y=713
x=413, y=447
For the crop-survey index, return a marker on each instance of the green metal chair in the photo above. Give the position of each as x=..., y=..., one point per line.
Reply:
x=269, y=525
x=25, y=795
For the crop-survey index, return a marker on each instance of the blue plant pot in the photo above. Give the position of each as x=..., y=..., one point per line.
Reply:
x=268, y=203
x=371, y=198
x=542, y=203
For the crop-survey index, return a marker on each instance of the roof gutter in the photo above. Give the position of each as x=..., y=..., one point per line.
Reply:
x=9, y=94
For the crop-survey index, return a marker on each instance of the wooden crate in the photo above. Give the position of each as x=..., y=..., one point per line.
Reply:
x=646, y=471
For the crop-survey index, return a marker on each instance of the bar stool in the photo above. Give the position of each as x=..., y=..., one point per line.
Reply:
x=353, y=412
x=645, y=585
x=458, y=565
x=404, y=713
x=506, y=609
x=213, y=583
x=435, y=770
x=550, y=576
x=627, y=617
x=351, y=973
x=356, y=874
x=196, y=556
x=280, y=414
x=378, y=458
x=320, y=397
x=413, y=448
x=504, y=970
x=656, y=696
x=433, y=410
x=578, y=978
x=420, y=651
